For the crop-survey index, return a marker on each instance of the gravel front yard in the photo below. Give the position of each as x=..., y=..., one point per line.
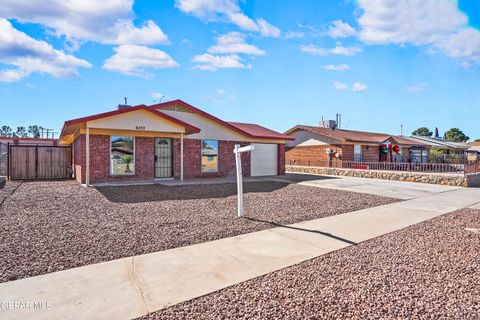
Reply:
x=427, y=271
x=52, y=226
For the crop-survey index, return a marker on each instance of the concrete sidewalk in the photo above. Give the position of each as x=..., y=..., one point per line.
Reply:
x=131, y=287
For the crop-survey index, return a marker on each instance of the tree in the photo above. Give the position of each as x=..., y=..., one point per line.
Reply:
x=6, y=131
x=34, y=131
x=21, y=132
x=455, y=135
x=422, y=132
x=436, y=133
x=477, y=140
x=435, y=155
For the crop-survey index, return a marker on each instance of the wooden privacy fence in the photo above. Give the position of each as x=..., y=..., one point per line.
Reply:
x=39, y=162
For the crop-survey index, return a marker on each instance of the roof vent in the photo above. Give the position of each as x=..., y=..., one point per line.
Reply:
x=123, y=106
x=330, y=124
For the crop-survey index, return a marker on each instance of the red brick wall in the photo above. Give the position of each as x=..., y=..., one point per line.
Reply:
x=145, y=159
x=281, y=159
x=318, y=153
x=192, y=159
x=100, y=160
x=348, y=152
x=370, y=153
x=311, y=153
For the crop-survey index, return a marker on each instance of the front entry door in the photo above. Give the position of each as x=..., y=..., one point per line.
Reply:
x=163, y=158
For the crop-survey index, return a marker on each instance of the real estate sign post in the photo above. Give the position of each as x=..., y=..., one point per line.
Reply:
x=238, y=162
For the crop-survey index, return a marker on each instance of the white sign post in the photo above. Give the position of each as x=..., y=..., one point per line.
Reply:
x=238, y=162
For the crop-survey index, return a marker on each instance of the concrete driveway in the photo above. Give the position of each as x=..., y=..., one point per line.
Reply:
x=387, y=188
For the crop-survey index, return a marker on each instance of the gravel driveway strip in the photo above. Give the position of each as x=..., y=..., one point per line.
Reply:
x=427, y=271
x=52, y=226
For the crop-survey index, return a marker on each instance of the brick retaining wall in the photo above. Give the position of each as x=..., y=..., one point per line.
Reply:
x=469, y=180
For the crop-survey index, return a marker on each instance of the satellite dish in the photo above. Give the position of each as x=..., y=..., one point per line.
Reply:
x=329, y=151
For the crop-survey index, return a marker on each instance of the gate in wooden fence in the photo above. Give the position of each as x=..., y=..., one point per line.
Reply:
x=39, y=162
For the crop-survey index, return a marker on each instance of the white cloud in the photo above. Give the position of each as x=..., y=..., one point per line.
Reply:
x=340, y=29
x=133, y=60
x=340, y=85
x=242, y=21
x=25, y=55
x=338, y=50
x=345, y=51
x=108, y=22
x=267, y=30
x=359, y=87
x=234, y=42
x=439, y=25
x=220, y=96
x=226, y=10
x=208, y=62
x=417, y=87
x=294, y=35
x=338, y=67
x=157, y=95
x=314, y=50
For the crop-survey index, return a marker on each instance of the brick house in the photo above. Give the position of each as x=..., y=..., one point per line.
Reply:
x=168, y=140
x=327, y=145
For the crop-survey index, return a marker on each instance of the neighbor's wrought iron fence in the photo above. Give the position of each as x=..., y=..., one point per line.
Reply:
x=390, y=166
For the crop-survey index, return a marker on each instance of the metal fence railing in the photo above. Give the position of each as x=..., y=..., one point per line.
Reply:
x=390, y=166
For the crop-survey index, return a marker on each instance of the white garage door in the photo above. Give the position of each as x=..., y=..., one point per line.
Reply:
x=263, y=160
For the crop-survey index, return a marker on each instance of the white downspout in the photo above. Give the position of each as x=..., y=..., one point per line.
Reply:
x=87, y=146
x=181, y=156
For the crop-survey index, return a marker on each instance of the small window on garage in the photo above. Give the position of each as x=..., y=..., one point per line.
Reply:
x=122, y=155
x=209, y=155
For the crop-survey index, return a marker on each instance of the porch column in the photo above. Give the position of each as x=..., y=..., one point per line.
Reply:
x=181, y=156
x=87, y=154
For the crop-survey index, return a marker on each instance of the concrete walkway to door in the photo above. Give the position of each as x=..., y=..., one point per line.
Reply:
x=131, y=287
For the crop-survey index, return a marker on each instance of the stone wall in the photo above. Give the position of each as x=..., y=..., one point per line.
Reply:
x=469, y=180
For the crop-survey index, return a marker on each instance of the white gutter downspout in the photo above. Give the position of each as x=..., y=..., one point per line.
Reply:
x=181, y=156
x=87, y=146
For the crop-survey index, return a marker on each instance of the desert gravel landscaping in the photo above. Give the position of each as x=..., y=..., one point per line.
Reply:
x=427, y=271
x=52, y=226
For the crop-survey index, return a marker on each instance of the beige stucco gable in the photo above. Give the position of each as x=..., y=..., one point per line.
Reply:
x=138, y=120
x=210, y=129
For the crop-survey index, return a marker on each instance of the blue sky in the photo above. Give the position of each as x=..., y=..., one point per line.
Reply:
x=380, y=63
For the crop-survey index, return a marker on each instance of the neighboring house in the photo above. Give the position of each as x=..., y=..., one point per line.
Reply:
x=327, y=144
x=168, y=140
x=447, y=151
x=473, y=152
x=447, y=147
